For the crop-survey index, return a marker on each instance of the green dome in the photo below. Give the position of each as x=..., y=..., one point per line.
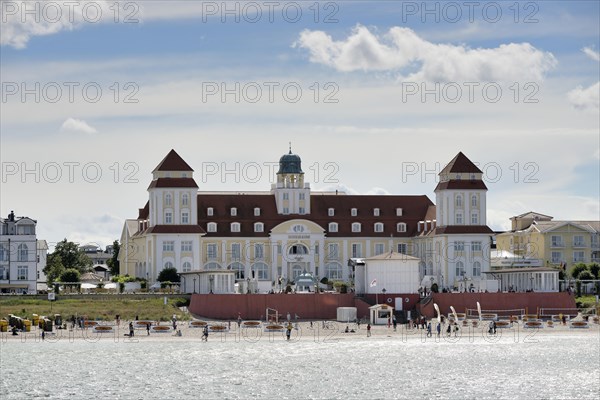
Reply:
x=290, y=164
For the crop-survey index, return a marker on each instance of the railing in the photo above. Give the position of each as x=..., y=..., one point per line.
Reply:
x=557, y=244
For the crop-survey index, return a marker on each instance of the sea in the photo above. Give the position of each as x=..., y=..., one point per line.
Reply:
x=565, y=365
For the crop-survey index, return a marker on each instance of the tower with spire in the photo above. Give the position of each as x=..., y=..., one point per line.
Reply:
x=292, y=195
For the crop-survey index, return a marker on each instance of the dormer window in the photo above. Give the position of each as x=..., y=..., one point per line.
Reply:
x=233, y=211
x=210, y=211
x=331, y=212
x=259, y=227
x=257, y=211
x=356, y=227
x=353, y=212
x=379, y=227
x=211, y=227
x=401, y=227
x=398, y=212
x=333, y=227
x=235, y=227
x=458, y=177
x=376, y=212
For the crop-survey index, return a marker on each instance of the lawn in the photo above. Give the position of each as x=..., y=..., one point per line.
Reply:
x=95, y=309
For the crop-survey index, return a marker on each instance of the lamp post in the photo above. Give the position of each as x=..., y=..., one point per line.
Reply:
x=194, y=285
x=531, y=287
x=383, y=292
x=211, y=279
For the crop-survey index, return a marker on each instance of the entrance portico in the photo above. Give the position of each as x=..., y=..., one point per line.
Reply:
x=527, y=279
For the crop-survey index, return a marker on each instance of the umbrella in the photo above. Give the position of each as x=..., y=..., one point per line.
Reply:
x=88, y=286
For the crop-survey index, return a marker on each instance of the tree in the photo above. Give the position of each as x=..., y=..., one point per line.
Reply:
x=578, y=269
x=168, y=274
x=71, y=256
x=54, y=268
x=70, y=275
x=113, y=262
x=586, y=276
x=595, y=269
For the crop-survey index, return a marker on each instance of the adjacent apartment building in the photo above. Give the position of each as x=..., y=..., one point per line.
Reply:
x=18, y=255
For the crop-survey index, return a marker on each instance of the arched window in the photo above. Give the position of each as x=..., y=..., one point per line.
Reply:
x=259, y=227
x=238, y=268
x=298, y=249
x=168, y=264
x=261, y=271
x=235, y=227
x=356, y=227
x=476, y=268
x=333, y=271
x=185, y=199
x=186, y=267
x=474, y=200
x=429, y=270
x=296, y=271
x=212, y=265
x=459, y=201
x=379, y=227
x=401, y=227
x=168, y=199
x=422, y=269
x=4, y=275
x=22, y=252
x=211, y=227
x=460, y=269
x=333, y=227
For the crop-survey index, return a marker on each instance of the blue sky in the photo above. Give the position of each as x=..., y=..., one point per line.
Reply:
x=371, y=134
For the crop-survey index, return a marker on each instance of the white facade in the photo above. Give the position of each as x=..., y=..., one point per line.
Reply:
x=18, y=255
x=394, y=272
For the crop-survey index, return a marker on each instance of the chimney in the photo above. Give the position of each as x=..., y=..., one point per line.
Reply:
x=425, y=226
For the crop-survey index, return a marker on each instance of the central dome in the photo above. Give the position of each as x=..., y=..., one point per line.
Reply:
x=290, y=164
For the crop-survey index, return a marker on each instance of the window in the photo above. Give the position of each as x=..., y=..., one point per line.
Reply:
x=376, y=212
x=185, y=217
x=256, y=211
x=460, y=269
x=168, y=264
x=331, y=212
x=458, y=200
x=401, y=227
x=235, y=227
x=212, y=265
x=233, y=212
x=168, y=246
x=301, y=210
x=261, y=271
x=286, y=210
x=459, y=246
x=259, y=227
x=4, y=273
x=186, y=267
x=301, y=196
x=236, y=251
x=333, y=227
x=578, y=241
x=476, y=246
x=286, y=196
x=557, y=241
x=298, y=249
x=379, y=248
x=356, y=227
x=474, y=200
x=22, y=273
x=186, y=246
x=259, y=251
x=168, y=199
x=578, y=256
x=476, y=268
x=3, y=252
x=296, y=271
x=398, y=212
x=211, y=227
x=238, y=268
x=402, y=248
x=333, y=253
x=22, y=252
x=378, y=227
x=27, y=229
x=356, y=250
x=353, y=212
x=185, y=199
x=211, y=251
x=459, y=218
x=474, y=219
x=210, y=211
x=168, y=217
x=333, y=271
x=556, y=257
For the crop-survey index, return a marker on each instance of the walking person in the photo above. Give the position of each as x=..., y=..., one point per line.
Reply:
x=130, y=329
x=148, y=328
x=43, y=335
x=439, y=329
x=369, y=330
x=429, y=329
x=288, y=331
x=449, y=329
x=395, y=323
x=205, y=334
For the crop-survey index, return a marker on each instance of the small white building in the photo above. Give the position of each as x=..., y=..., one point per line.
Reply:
x=18, y=255
x=527, y=279
x=380, y=314
x=394, y=272
x=205, y=282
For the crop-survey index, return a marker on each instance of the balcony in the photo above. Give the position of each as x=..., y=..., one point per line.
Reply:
x=579, y=244
x=557, y=244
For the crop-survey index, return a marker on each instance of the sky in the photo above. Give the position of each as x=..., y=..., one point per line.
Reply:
x=376, y=97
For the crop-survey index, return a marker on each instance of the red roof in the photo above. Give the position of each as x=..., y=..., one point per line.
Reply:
x=175, y=229
x=143, y=213
x=462, y=184
x=459, y=164
x=173, y=183
x=173, y=162
x=462, y=229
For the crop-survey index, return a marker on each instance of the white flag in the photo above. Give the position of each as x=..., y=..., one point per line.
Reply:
x=374, y=282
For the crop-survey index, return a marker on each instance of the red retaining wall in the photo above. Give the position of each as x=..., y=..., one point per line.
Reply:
x=253, y=306
x=498, y=301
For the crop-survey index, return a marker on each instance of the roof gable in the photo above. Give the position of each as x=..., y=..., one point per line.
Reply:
x=460, y=163
x=173, y=162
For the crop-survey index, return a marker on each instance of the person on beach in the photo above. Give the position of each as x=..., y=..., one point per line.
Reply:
x=439, y=329
x=205, y=334
x=148, y=328
x=448, y=329
x=429, y=329
x=288, y=331
x=456, y=330
x=368, y=330
x=130, y=329
x=43, y=335
x=494, y=327
x=394, y=323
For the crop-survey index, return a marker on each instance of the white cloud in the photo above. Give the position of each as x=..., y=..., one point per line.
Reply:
x=73, y=125
x=402, y=49
x=585, y=99
x=22, y=20
x=591, y=53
